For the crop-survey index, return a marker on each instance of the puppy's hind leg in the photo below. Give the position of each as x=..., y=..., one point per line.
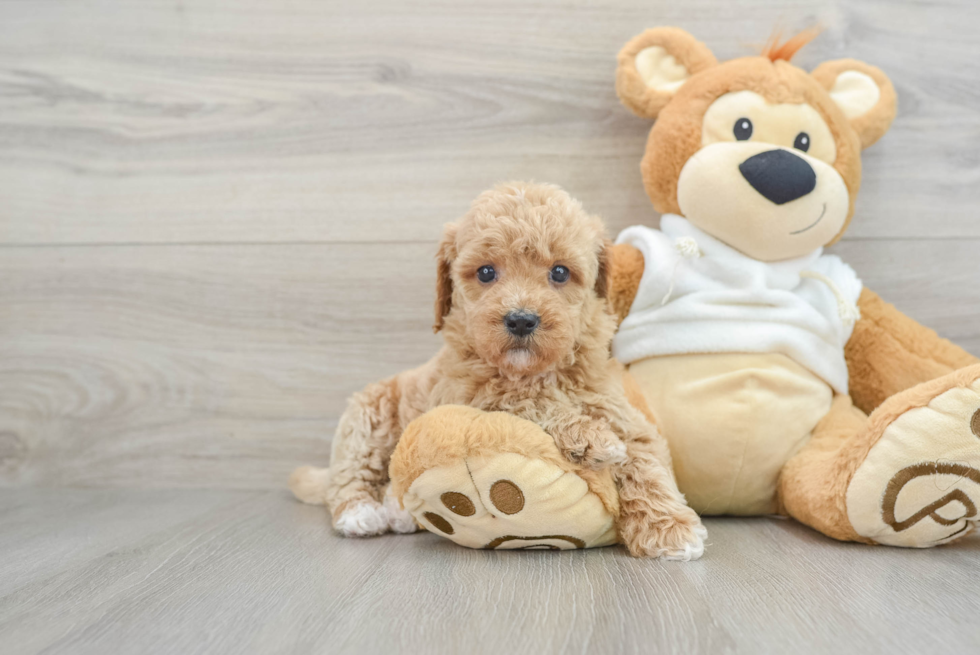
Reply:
x=313, y=486
x=654, y=520
x=354, y=485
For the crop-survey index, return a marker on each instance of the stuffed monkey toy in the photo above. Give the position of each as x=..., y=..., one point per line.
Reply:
x=782, y=385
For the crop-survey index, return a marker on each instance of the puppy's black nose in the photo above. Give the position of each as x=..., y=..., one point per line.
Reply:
x=779, y=175
x=521, y=323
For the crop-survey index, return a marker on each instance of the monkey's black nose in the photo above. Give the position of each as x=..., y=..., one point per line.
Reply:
x=779, y=175
x=521, y=323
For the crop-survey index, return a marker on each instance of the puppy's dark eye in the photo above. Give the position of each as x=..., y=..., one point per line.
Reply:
x=486, y=274
x=559, y=274
x=742, y=129
x=802, y=141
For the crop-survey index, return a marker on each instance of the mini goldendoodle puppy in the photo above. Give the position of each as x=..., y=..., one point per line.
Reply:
x=521, y=304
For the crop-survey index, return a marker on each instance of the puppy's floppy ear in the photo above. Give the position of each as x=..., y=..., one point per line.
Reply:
x=863, y=93
x=444, y=280
x=602, y=277
x=653, y=65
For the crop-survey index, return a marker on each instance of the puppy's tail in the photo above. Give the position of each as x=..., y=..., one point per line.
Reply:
x=309, y=484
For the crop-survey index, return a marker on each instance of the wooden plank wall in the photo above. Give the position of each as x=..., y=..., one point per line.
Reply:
x=218, y=218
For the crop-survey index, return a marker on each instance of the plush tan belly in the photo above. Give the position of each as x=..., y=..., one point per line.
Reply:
x=732, y=421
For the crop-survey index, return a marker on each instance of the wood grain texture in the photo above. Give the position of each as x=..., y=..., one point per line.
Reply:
x=256, y=572
x=218, y=219
x=251, y=121
x=227, y=366
x=197, y=366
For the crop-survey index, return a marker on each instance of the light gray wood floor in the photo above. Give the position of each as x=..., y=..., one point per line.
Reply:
x=189, y=572
x=218, y=219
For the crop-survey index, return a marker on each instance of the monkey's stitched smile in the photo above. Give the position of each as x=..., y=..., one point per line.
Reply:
x=814, y=223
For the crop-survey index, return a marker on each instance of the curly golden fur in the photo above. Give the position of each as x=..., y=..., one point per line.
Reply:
x=560, y=376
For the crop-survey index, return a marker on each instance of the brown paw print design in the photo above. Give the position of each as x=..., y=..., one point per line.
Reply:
x=956, y=508
x=508, y=501
x=920, y=484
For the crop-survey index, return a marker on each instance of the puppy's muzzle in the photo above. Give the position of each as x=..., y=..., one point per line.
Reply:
x=521, y=323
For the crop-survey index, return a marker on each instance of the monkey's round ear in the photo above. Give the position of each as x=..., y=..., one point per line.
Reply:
x=654, y=64
x=863, y=93
x=444, y=279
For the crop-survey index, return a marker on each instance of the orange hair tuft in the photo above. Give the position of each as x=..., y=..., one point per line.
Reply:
x=775, y=50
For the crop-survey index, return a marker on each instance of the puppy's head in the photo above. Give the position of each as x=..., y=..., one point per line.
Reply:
x=521, y=279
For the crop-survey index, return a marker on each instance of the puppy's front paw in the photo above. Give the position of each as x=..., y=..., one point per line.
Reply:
x=591, y=446
x=364, y=519
x=690, y=542
x=680, y=537
x=610, y=452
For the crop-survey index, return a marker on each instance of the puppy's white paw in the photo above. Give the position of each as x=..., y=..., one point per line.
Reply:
x=693, y=549
x=362, y=520
x=645, y=534
x=399, y=520
x=591, y=444
x=606, y=450
x=616, y=454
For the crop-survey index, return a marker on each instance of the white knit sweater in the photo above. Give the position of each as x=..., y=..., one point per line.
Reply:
x=698, y=295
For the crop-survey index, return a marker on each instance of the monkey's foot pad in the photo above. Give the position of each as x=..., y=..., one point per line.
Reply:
x=920, y=483
x=492, y=480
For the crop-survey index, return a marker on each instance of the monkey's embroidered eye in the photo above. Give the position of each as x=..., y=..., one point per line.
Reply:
x=559, y=275
x=486, y=274
x=802, y=141
x=743, y=129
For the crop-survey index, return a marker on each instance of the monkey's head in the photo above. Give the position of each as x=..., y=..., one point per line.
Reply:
x=754, y=151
